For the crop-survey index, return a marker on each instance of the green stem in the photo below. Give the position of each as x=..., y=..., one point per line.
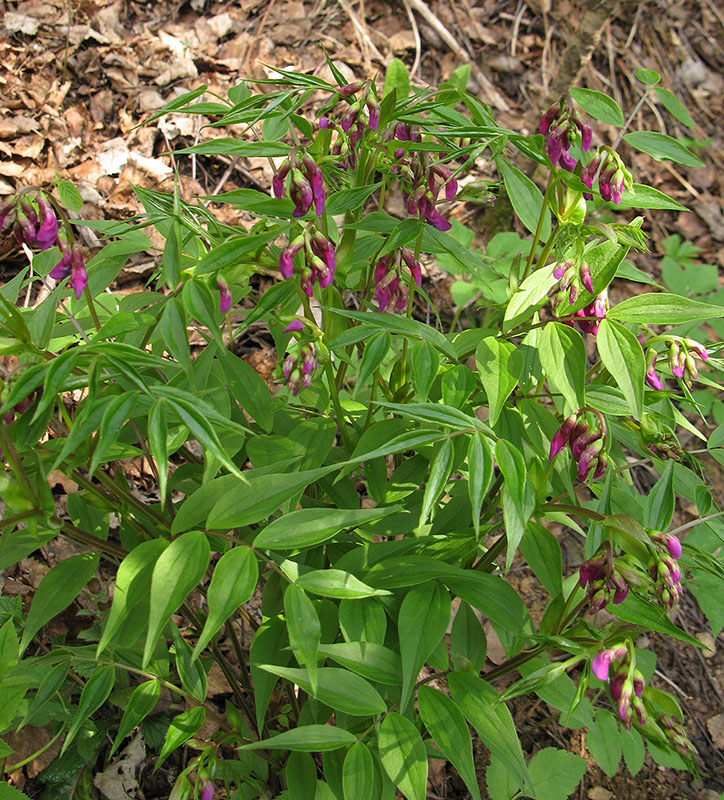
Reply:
x=579, y=510
x=338, y=407
x=91, y=307
x=539, y=227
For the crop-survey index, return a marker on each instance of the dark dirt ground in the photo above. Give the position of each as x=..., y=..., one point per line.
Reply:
x=77, y=76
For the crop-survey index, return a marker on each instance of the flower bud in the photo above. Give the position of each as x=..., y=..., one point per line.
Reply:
x=562, y=436
x=78, y=274
x=48, y=230
x=225, y=300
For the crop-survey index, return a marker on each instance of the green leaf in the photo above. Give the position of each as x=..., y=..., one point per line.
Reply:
x=488, y=593
x=492, y=720
x=661, y=501
x=94, y=694
x=176, y=572
x=604, y=742
x=555, y=773
x=649, y=616
x=448, y=728
x=158, y=444
x=308, y=527
x=647, y=197
x=305, y=632
x=183, y=726
x=335, y=583
x=140, y=705
x=659, y=308
x=499, y=781
x=232, y=584
x=114, y=417
x=518, y=502
x=349, y=199
x=228, y=146
x=598, y=105
x=662, y=148
x=202, y=307
x=133, y=581
x=648, y=76
x=8, y=792
x=300, y=774
x=69, y=195
x=622, y=356
x=440, y=470
x=336, y=688
x=425, y=363
x=358, y=773
x=233, y=251
x=525, y=197
x=480, y=474
x=260, y=497
x=397, y=79
x=499, y=365
x=268, y=645
x=372, y=356
x=633, y=751
x=421, y=624
x=674, y=106
x=172, y=256
x=57, y=591
x=403, y=326
x=541, y=550
x=372, y=661
x=363, y=621
x=306, y=739
x=403, y=755
x=191, y=673
x=531, y=295
x=468, y=643
x=563, y=357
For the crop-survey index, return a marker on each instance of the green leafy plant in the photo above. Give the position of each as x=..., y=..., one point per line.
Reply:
x=384, y=481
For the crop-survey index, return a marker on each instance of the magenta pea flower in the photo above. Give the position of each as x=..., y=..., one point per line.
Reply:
x=225, y=300
x=78, y=274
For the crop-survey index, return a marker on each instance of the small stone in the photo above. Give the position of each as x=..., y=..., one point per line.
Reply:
x=150, y=100
x=599, y=793
x=707, y=641
x=715, y=726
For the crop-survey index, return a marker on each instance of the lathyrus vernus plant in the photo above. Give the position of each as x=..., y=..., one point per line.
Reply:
x=383, y=481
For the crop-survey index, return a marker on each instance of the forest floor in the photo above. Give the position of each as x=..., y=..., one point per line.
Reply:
x=78, y=76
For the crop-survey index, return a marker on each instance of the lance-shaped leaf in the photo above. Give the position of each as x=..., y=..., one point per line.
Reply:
x=158, y=444
x=304, y=629
x=478, y=702
x=623, y=357
x=440, y=470
x=448, y=728
x=499, y=364
x=94, y=694
x=140, y=705
x=403, y=755
x=358, y=773
x=133, y=581
x=232, y=584
x=178, y=569
x=336, y=688
x=306, y=739
x=422, y=622
x=57, y=591
x=480, y=473
x=518, y=502
x=182, y=728
x=563, y=356
x=661, y=500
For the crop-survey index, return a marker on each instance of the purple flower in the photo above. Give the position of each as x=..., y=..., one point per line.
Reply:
x=278, y=179
x=585, y=275
x=301, y=193
x=672, y=544
x=554, y=148
x=567, y=161
x=600, y=665
x=587, y=456
x=48, y=230
x=316, y=181
x=562, y=436
x=324, y=123
x=374, y=111
x=25, y=229
x=286, y=258
x=437, y=220
x=294, y=326
x=207, y=792
x=62, y=268
x=78, y=274
x=547, y=119
x=226, y=299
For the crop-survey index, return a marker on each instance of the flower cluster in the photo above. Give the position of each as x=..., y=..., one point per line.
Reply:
x=572, y=276
x=626, y=683
x=422, y=178
x=302, y=178
x=586, y=443
x=588, y=319
x=559, y=125
x=300, y=361
x=663, y=568
x=390, y=288
x=603, y=579
x=361, y=113
x=613, y=176
x=37, y=226
x=319, y=262
x=656, y=439
x=676, y=734
x=71, y=263
x=682, y=355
